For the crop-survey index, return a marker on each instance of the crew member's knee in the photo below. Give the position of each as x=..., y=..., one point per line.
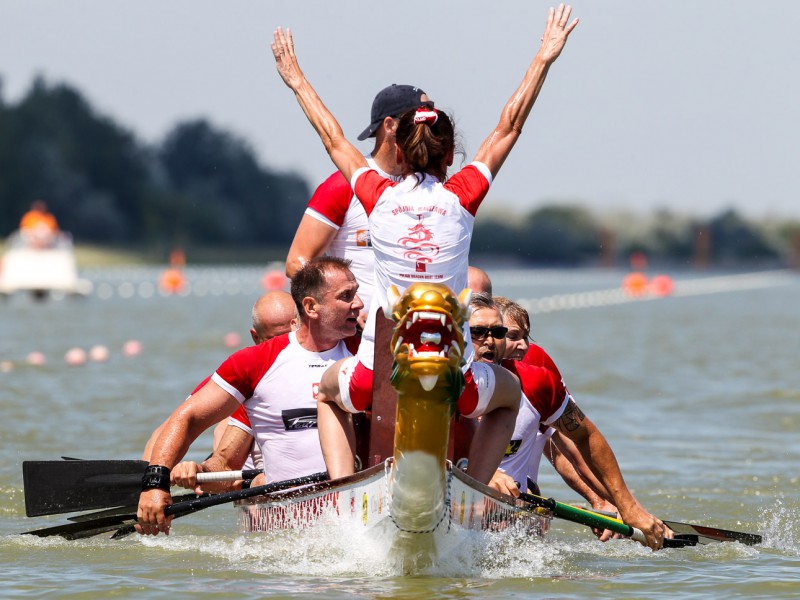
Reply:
x=354, y=385
x=329, y=384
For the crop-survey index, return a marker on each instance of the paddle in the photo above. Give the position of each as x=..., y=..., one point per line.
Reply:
x=124, y=523
x=704, y=534
x=598, y=521
x=71, y=485
x=685, y=534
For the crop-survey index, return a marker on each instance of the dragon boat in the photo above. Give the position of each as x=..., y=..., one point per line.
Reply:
x=410, y=486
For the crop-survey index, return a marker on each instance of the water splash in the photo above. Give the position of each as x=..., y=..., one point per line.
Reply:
x=781, y=528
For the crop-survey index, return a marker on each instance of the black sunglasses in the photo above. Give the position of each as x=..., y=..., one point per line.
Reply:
x=498, y=332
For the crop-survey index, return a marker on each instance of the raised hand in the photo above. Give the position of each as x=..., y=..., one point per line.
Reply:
x=556, y=33
x=285, y=59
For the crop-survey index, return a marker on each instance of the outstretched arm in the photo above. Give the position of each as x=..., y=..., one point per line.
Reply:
x=601, y=460
x=495, y=149
x=343, y=154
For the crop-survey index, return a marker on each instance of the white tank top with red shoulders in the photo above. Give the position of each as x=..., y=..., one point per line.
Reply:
x=277, y=382
x=420, y=231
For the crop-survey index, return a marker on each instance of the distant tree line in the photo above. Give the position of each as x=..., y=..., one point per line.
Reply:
x=204, y=187
x=572, y=235
x=200, y=185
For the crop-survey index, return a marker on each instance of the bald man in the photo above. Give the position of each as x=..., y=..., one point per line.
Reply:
x=478, y=280
x=274, y=314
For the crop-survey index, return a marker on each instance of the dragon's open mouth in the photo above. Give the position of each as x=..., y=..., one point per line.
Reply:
x=427, y=340
x=428, y=335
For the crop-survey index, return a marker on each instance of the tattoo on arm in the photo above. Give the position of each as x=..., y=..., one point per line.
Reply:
x=572, y=417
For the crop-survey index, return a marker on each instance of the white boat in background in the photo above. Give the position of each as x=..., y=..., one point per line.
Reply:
x=41, y=270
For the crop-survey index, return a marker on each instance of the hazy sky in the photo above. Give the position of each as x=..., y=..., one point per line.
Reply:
x=693, y=107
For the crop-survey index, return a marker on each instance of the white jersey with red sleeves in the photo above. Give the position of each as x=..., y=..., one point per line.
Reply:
x=277, y=382
x=420, y=231
x=335, y=204
x=544, y=399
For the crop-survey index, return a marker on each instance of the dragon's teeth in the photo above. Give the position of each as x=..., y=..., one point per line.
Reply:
x=415, y=317
x=398, y=344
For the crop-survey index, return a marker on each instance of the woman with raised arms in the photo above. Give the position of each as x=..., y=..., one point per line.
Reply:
x=421, y=229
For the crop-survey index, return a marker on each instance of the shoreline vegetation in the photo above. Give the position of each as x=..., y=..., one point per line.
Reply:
x=202, y=189
x=90, y=256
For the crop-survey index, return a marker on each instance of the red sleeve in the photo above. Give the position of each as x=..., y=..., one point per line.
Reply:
x=243, y=370
x=369, y=185
x=332, y=198
x=537, y=357
x=202, y=383
x=471, y=187
x=240, y=414
x=543, y=390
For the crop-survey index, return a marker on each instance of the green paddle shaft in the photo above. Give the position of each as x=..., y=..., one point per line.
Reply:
x=584, y=517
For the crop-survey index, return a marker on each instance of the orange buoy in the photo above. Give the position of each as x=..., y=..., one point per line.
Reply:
x=99, y=353
x=75, y=357
x=635, y=284
x=172, y=281
x=273, y=280
x=661, y=285
x=131, y=348
x=232, y=339
x=36, y=358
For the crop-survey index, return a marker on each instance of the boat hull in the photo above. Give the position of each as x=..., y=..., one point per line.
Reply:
x=364, y=500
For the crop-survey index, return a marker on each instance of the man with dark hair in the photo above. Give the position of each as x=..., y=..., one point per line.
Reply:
x=273, y=314
x=277, y=383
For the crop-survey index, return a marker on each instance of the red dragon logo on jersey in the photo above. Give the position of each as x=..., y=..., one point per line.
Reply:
x=418, y=246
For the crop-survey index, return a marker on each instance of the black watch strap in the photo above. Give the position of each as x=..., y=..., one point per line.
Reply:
x=156, y=477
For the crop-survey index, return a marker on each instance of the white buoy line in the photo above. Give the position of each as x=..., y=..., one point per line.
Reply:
x=685, y=288
x=144, y=283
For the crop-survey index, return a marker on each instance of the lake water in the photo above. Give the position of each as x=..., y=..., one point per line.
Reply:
x=698, y=394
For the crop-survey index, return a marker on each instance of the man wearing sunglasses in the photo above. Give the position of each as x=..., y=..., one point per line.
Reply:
x=545, y=400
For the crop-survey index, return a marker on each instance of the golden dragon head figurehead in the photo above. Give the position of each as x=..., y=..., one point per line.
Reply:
x=428, y=339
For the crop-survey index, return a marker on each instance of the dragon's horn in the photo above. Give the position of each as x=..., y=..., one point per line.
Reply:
x=392, y=297
x=464, y=297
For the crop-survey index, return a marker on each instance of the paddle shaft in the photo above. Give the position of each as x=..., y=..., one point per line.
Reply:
x=190, y=506
x=584, y=517
x=213, y=476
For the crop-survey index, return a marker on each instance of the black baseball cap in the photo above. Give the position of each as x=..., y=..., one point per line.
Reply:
x=393, y=101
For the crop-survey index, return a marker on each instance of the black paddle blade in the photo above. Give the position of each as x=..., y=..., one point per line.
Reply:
x=77, y=531
x=53, y=487
x=707, y=535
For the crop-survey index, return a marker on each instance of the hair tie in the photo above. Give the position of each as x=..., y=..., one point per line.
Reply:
x=426, y=115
